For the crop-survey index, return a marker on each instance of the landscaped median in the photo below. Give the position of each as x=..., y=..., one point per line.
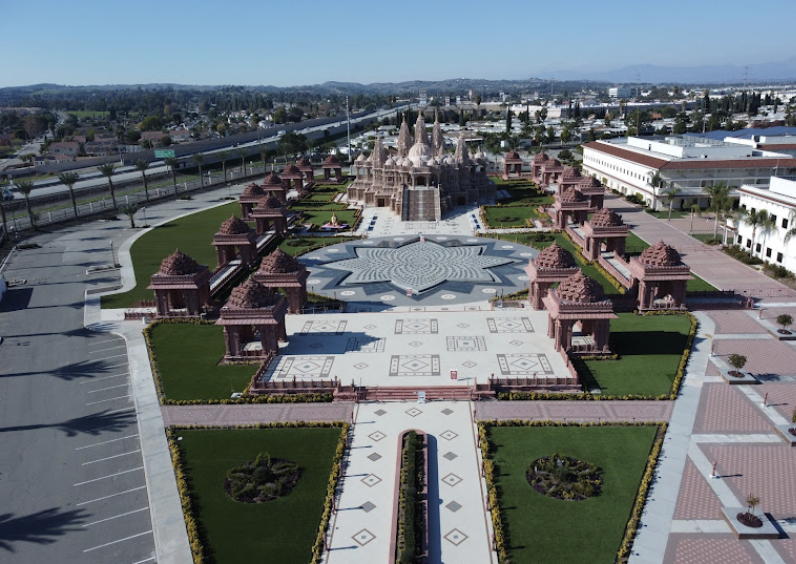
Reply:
x=600, y=521
x=289, y=528
x=411, y=523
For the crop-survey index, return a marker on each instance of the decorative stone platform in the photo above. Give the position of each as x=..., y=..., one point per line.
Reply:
x=767, y=531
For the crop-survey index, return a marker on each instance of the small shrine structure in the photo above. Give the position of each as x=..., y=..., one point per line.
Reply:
x=235, y=237
x=551, y=266
x=254, y=322
x=512, y=165
x=248, y=198
x=570, y=206
x=281, y=270
x=292, y=178
x=661, y=277
x=274, y=185
x=305, y=166
x=579, y=300
x=332, y=168
x=269, y=212
x=181, y=285
x=604, y=226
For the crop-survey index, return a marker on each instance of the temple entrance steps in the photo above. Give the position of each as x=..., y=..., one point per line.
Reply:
x=381, y=393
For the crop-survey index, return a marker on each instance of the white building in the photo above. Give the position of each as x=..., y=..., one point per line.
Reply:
x=629, y=165
x=779, y=200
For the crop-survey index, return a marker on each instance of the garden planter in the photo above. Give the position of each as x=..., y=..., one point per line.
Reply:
x=766, y=530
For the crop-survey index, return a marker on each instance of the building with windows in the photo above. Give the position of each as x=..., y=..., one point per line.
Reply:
x=654, y=168
x=769, y=242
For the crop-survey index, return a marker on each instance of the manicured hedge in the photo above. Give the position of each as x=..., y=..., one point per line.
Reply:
x=410, y=515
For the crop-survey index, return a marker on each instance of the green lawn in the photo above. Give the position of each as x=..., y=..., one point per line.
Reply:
x=282, y=530
x=82, y=114
x=322, y=215
x=634, y=245
x=650, y=348
x=707, y=238
x=192, y=234
x=499, y=217
x=542, y=530
x=664, y=214
x=698, y=285
x=298, y=245
x=188, y=357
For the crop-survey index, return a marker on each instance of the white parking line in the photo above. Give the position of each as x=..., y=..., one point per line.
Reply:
x=110, y=496
x=111, y=388
x=109, y=399
x=119, y=411
x=142, y=561
x=120, y=540
x=105, y=342
x=109, y=476
x=116, y=517
x=110, y=457
x=106, y=442
x=110, y=349
x=116, y=366
x=104, y=378
x=114, y=356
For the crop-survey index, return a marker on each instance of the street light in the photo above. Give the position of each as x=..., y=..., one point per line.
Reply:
x=229, y=190
x=113, y=256
x=143, y=209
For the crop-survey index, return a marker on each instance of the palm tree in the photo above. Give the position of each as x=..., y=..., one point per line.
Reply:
x=242, y=156
x=3, y=185
x=768, y=224
x=141, y=165
x=106, y=170
x=720, y=203
x=264, y=156
x=171, y=162
x=69, y=179
x=223, y=156
x=756, y=220
x=199, y=158
x=695, y=210
x=129, y=210
x=25, y=187
x=670, y=193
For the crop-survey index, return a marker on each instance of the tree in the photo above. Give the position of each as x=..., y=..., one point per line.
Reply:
x=566, y=135
x=719, y=204
x=264, y=155
x=171, y=162
x=670, y=194
x=106, y=170
x=25, y=187
x=242, y=156
x=223, y=156
x=129, y=210
x=752, y=501
x=756, y=220
x=141, y=165
x=199, y=158
x=695, y=210
x=784, y=320
x=508, y=121
x=3, y=185
x=737, y=361
x=292, y=143
x=69, y=179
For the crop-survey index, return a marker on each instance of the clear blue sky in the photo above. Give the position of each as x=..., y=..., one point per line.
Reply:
x=248, y=42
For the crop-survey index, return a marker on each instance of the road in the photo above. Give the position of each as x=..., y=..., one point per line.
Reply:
x=72, y=486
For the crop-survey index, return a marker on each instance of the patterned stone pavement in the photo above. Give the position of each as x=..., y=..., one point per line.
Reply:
x=696, y=500
x=723, y=409
x=698, y=549
x=255, y=413
x=735, y=322
x=781, y=397
x=576, y=411
x=767, y=356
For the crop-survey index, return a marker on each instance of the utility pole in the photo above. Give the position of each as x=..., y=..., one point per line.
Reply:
x=348, y=122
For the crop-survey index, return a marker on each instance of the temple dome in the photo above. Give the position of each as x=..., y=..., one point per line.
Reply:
x=272, y=180
x=331, y=159
x=512, y=155
x=290, y=170
x=554, y=257
x=361, y=158
x=179, y=264
x=251, y=294
x=269, y=202
x=606, y=218
x=419, y=154
x=590, y=182
x=540, y=157
x=571, y=196
x=570, y=172
x=660, y=254
x=279, y=262
x=580, y=289
x=303, y=161
x=234, y=226
x=252, y=190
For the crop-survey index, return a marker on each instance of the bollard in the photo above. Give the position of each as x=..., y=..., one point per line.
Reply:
x=765, y=400
x=713, y=472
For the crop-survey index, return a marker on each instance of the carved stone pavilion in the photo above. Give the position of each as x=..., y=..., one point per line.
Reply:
x=512, y=165
x=570, y=206
x=235, y=236
x=551, y=266
x=281, y=270
x=579, y=301
x=254, y=322
x=292, y=177
x=275, y=186
x=605, y=226
x=248, y=198
x=180, y=285
x=305, y=166
x=269, y=212
x=661, y=277
x=420, y=182
x=332, y=169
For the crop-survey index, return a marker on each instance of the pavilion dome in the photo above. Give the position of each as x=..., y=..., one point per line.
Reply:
x=540, y=157
x=590, y=182
x=269, y=202
x=572, y=196
x=234, y=226
x=331, y=159
x=272, y=180
x=290, y=170
x=512, y=155
x=606, y=218
x=361, y=158
x=580, y=289
x=252, y=190
x=554, y=162
x=554, y=257
x=660, y=254
x=179, y=264
x=405, y=162
x=251, y=294
x=279, y=262
x=570, y=172
x=303, y=161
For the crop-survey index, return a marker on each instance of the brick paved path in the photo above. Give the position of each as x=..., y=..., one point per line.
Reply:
x=256, y=413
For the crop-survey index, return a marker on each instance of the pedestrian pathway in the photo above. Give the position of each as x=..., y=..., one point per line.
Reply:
x=459, y=526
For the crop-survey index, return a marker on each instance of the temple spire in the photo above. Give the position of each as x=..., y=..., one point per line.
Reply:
x=462, y=156
x=421, y=136
x=404, y=139
x=437, y=140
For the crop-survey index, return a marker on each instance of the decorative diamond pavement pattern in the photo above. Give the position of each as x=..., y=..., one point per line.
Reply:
x=414, y=365
x=524, y=364
x=475, y=343
x=367, y=507
x=416, y=326
x=735, y=322
x=509, y=325
x=715, y=549
x=725, y=409
x=696, y=499
x=768, y=470
x=299, y=367
x=762, y=356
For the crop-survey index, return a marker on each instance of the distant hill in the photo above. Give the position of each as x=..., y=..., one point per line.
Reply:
x=777, y=71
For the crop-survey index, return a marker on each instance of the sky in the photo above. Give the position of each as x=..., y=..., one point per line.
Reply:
x=250, y=42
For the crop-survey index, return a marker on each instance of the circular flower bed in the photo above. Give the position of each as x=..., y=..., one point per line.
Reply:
x=783, y=332
x=792, y=431
x=735, y=373
x=749, y=520
x=262, y=480
x=565, y=478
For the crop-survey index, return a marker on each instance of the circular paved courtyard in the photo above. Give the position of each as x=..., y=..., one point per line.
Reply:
x=435, y=269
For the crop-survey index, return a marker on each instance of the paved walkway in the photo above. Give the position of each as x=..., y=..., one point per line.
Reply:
x=709, y=263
